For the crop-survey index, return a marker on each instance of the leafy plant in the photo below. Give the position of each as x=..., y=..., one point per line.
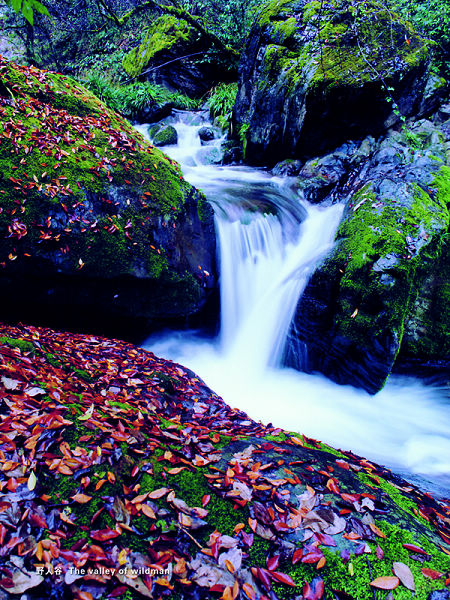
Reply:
x=432, y=19
x=131, y=99
x=27, y=8
x=221, y=103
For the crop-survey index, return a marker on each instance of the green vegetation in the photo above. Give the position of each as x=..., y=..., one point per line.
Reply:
x=22, y=345
x=371, y=235
x=130, y=100
x=164, y=33
x=221, y=102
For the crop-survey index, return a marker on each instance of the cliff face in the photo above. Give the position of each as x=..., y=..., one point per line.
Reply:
x=314, y=75
x=93, y=218
x=373, y=303
x=113, y=459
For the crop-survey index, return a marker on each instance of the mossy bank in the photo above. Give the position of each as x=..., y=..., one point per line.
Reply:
x=377, y=303
x=93, y=218
x=128, y=461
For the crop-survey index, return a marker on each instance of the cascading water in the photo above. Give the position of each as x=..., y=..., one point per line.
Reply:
x=262, y=277
x=270, y=242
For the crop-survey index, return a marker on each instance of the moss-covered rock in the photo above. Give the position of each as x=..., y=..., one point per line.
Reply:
x=165, y=136
x=313, y=75
x=388, y=271
x=92, y=217
x=140, y=466
x=168, y=40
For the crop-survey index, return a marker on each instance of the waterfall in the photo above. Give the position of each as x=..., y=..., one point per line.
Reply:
x=262, y=277
x=270, y=241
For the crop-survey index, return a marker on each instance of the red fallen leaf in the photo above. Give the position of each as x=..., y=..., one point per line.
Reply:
x=297, y=556
x=205, y=500
x=148, y=511
x=102, y=535
x=263, y=576
x=272, y=562
x=282, y=578
x=312, y=555
x=36, y=520
x=322, y=562
x=325, y=539
x=3, y=532
x=380, y=553
x=83, y=595
x=343, y=464
x=307, y=592
x=332, y=485
x=385, y=583
x=99, y=484
x=431, y=573
x=414, y=548
x=377, y=531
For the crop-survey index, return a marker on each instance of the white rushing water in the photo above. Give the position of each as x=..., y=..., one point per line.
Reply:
x=270, y=242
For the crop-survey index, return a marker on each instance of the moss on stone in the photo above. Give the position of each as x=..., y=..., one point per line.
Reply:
x=165, y=32
x=323, y=48
x=372, y=234
x=165, y=136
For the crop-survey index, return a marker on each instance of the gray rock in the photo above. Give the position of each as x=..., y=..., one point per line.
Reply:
x=206, y=134
x=292, y=99
x=368, y=305
x=287, y=168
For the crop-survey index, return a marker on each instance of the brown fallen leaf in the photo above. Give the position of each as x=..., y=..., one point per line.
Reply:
x=385, y=583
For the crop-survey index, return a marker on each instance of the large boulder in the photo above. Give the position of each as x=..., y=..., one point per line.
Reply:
x=314, y=75
x=95, y=223
x=382, y=287
x=124, y=474
x=172, y=54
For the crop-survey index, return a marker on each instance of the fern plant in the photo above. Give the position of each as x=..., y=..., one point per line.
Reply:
x=221, y=103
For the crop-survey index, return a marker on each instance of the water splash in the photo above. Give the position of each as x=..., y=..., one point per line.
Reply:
x=270, y=242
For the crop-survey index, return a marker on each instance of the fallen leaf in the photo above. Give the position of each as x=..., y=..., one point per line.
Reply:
x=403, y=572
x=385, y=583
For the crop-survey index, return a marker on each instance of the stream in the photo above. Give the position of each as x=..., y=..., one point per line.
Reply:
x=270, y=241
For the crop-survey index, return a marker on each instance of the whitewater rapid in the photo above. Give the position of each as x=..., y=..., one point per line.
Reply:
x=270, y=241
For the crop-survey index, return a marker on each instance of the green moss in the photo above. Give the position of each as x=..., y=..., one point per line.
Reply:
x=401, y=500
x=327, y=56
x=353, y=578
x=204, y=209
x=23, y=345
x=369, y=235
x=165, y=136
x=442, y=184
x=89, y=161
x=165, y=32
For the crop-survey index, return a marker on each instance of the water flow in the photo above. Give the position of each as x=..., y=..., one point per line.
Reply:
x=270, y=242
x=262, y=277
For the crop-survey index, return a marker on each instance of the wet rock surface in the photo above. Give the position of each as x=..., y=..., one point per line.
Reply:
x=380, y=298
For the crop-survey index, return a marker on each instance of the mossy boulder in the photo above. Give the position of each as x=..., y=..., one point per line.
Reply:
x=388, y=272
x=165, y=136
x=94, y=220
x=173, y=41
x=128, y=461
x=315, y=75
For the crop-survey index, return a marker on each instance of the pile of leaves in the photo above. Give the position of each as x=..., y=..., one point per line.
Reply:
x=123, y=476
x=75, y=178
